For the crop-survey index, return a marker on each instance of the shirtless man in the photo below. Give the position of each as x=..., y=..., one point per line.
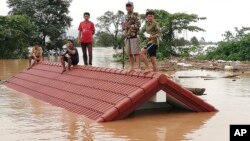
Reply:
x=35, y=55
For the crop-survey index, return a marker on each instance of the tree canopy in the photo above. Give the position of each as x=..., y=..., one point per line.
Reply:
x=111, y=24
x=171, y=24
x=104, y=39
x=49, y=16
x=14, y=36
x=236, y=46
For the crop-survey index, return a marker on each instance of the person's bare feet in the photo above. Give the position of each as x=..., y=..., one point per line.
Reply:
x=169, y=76
x=137, y=70
x=130, y=71
x=63, y=71
x=146, y=71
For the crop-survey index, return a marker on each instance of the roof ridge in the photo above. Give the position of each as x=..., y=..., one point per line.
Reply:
x=108, y=70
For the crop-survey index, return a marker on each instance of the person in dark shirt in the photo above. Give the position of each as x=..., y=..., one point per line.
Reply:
x=70, y=56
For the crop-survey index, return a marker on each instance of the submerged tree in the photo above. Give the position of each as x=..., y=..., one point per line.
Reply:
x=111, y=24
x=194, y=41
x=49, y=16
x=103, y=39
x=181, y=42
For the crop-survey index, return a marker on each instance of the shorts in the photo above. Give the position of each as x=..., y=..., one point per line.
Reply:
x=132, y=46
x=74, y=62
x=151, y=49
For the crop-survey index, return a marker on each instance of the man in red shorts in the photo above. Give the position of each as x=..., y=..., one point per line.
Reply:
x=85, y=38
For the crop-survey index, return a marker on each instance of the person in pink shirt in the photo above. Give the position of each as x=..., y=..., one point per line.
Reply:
x=85, y=38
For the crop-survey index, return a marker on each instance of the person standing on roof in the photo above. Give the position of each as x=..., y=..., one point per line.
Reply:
x=85, y=38
x=152, y=33
x=131, y=26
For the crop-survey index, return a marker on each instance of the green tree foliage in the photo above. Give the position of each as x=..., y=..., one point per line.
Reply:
x=228, y=36
x=234, y=47
x=202, y=41
x=104, y=39
x=49, y=16
x=171, y=24
x=239, y=34
x=181, y=42
x=110, y=23
x=187, y=48
x=194, y=41
x=14, y=36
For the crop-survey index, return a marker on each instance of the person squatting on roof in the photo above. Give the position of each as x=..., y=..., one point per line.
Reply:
x=152, y=31
x=35, y=55
x=131, y=27
x=85, y=38
x=70, y=56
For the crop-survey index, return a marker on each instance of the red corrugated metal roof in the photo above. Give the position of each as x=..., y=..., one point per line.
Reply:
x=101, y=94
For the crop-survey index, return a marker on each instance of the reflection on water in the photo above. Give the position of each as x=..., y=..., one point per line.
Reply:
x=27, y=119
x=157, y=125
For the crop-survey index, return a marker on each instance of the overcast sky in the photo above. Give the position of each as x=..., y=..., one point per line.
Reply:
x=221, y=15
